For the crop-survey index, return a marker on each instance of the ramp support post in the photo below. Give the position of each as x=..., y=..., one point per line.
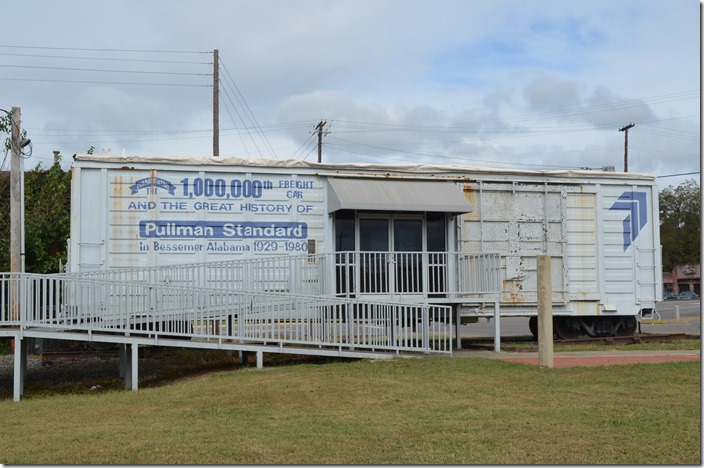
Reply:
x=20, y=367
x=129, y=366
x=458, y=333
x=134, y=366
x=497, y=327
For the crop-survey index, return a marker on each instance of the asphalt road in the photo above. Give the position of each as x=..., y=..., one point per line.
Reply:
x=665, y=321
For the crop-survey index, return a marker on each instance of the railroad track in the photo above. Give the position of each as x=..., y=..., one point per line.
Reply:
x=633, y=339
x=638, y=338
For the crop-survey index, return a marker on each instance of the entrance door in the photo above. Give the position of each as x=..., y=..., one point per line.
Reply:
x=374, y=257
x=385, y=254
x=391, y=249
x=407, y=255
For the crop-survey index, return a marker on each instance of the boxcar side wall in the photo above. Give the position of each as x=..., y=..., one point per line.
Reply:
x=602, y=232
x=132, y=217
x=631, y=246
x=603, y=239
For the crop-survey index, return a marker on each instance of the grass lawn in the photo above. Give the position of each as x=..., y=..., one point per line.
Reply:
x=403, y=411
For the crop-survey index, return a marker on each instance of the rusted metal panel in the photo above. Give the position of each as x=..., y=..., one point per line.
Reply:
x=521, y=221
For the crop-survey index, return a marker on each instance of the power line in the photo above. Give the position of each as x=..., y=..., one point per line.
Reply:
x=41, y=80
x=462, y=160
x=677, y=137
x=271, y=127
x=313, y=147
x=107, y=59
x=673, y=130
x=105, y=71
x=433, y=155
x=362, y=127
x=247, y=111
x=471, y=125
x=254, y=128
x=306, y=144
x=239, y=133
x=107, y=50
x=650, y=150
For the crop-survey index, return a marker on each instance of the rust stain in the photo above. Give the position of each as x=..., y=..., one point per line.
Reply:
x=470, y=195
x=152, y=196
x=117, y=190
x=512, y=292
x=117, y=186
x=583, y=201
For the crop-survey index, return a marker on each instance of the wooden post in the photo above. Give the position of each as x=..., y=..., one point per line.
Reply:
x=545, y=353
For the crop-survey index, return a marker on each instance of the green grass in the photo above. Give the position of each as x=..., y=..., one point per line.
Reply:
x=403, y=411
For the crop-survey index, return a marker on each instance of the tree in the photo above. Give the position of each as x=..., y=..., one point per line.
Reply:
x=6, y=127
x=47, y=218
x=680, y=224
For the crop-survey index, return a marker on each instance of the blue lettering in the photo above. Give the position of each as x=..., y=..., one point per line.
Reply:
x=222, y=230
x=141, y=205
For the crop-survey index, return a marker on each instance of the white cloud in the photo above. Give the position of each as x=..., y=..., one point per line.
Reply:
x=544, y=82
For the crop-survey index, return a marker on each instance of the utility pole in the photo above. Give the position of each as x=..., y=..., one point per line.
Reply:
x=15, y=195
x=216, y=104
x=19, y=348
x=319, y=127
x=625, y=148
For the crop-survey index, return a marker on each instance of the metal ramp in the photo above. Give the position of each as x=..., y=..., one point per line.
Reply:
x=287, y=304
x=78, y=307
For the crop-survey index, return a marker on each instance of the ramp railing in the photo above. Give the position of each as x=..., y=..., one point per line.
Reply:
x=422, y=275
x=97, y=305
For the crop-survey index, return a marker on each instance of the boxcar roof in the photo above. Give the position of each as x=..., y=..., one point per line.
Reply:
x=353, y=169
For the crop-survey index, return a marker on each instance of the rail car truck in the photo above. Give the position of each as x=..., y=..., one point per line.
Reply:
x=393, y=232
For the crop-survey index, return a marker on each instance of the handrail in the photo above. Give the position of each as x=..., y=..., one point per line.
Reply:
x=60, y=302
x=350, y=273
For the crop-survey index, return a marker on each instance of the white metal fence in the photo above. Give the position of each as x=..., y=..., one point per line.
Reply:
x=177, y=311
x=348, y=300
x=438, y=275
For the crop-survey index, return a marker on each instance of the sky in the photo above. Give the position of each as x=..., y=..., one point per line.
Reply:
x=538, y=84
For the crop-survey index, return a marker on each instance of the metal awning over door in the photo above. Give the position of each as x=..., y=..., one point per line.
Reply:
x=396, y=195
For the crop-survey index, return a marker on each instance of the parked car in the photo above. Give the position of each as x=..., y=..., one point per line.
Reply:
x=668, y=295
x=687, y=295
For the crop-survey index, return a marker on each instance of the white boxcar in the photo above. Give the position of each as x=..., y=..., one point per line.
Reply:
x=405, y=231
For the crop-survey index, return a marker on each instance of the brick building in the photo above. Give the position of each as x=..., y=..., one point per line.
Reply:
x=683, y=278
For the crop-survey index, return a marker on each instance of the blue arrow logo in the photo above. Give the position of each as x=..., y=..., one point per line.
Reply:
x=635, y=204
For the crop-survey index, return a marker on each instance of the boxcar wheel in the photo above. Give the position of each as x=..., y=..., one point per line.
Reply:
x=564, y=329
x=533, y=326
x=628, y=327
